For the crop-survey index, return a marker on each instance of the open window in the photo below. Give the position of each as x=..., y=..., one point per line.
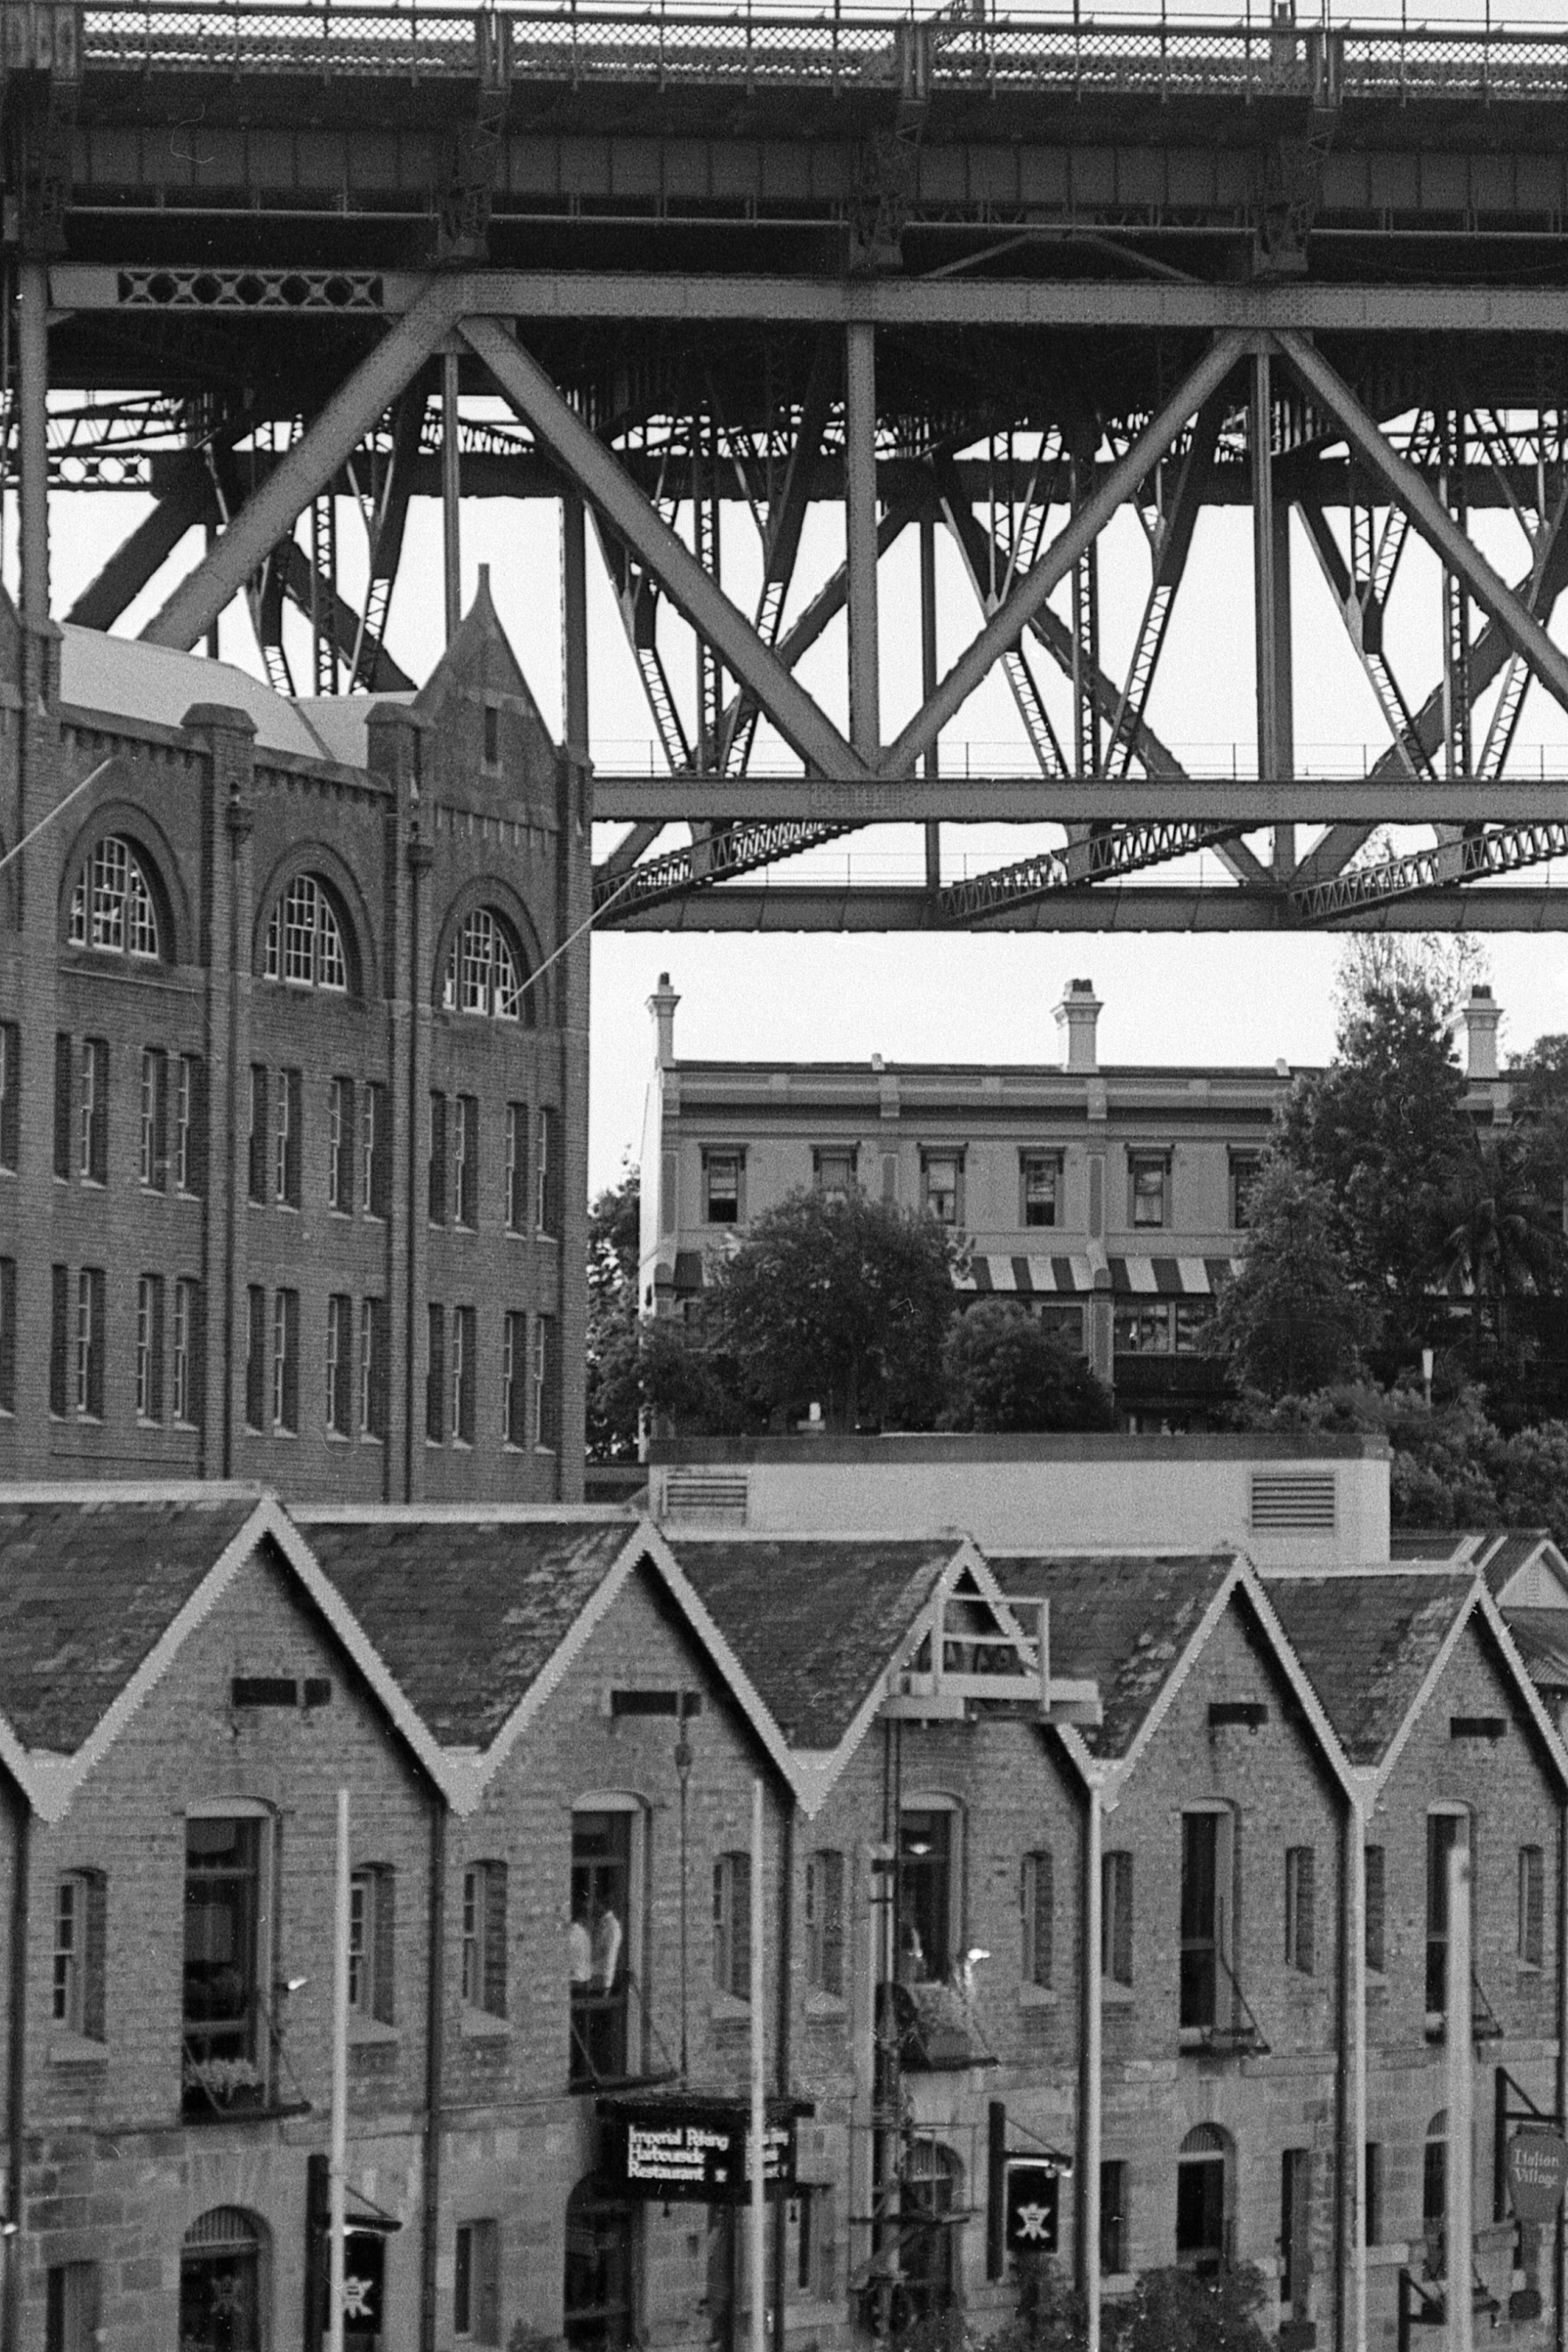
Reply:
x=607, y=1859
x=1202, y=2199
x=1448, y=1830
x=227, y=2046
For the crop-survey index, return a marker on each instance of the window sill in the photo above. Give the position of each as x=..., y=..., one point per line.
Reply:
x=1116, y=1996
x=819, y=2004
x=367, y=2032
x=729, y=2008
x=1118, y=2282
x=1038, y=1996
x=77, y=2050
x=483, y=2025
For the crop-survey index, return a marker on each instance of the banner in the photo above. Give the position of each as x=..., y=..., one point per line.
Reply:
x=1537, y=2169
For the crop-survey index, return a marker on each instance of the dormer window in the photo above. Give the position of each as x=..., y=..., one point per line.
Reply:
x=482, y=970
x=112, y=908
x=305, y=939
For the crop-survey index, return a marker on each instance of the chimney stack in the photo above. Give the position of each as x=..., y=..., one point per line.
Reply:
x=662, y=1005
x=1078, y=1015
x=1481, y=1018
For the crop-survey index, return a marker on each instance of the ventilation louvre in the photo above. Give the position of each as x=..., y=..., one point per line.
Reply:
x=1294, y=1502
x=717, y=1497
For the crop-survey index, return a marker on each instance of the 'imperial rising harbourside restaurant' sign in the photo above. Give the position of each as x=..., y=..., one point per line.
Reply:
x=675, y=2151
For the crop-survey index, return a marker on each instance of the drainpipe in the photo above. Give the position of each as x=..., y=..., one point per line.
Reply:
x=782, y=2036
x=1559, y=2267
x=16, y=2077
x=435, y=2049
x=1357, y=2022
x=1092, y=2087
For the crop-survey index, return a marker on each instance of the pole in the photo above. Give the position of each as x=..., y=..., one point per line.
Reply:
x=1088, y=2197
x=451, y=546
x=1459, y=2213
x=337, y=2157
x=759, y=2186
x=861, y=538
x=32, y=394
x=573, y=628
x=928, y=683
x=1358, y=2076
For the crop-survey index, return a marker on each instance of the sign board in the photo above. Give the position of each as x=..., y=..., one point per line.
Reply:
x=1537, y=2170
x=1034, y=2196
x=365, y=2283
x=692, y=2151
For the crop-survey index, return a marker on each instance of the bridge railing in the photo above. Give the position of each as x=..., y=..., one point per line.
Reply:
x=951, y=48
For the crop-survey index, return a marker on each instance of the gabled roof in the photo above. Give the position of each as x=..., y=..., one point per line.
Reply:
x=478, y=1613
x=1541, y=1636
x=822, y=1623
x=1455, y=1547
x=1523, y=1567
x=100, y=1587
x=1126, y=1622
x=128, y=679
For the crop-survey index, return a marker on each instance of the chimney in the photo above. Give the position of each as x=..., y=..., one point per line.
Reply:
x=1481, y=1018
x=1078, y=1014
x=662, y=1005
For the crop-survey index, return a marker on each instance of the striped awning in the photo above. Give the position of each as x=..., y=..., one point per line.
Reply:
x=1073, y=1276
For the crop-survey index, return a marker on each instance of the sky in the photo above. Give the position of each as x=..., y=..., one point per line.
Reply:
x=1168, y=998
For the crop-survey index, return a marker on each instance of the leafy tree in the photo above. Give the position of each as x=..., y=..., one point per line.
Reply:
x=840, y=1300
x=691, y=1385
x=1501, y=1241
x=1005, y=1371
x=1177, y=2311
x=614, y=1385
x=1290, y=1321
x=1532, y=1474
x=1445, y=965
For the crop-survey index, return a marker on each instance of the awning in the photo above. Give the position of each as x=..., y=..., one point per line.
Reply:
x=1072, y=1276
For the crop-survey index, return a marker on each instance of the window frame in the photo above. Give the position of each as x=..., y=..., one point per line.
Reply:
x=462, y=1365
x=317, y=948
x=1220, y=1941
x=731, y=1924
x=92, y=1112
x=153, y=1157
x=616, y=1806
x=476, y=2283
x=942, y=1155
x=1036, y=1903
x=933, y=1805
x=285, y=1398
x=826, y=1922
x=823, y=1156
x=1118, y=1918
x=262, y=1824
x=485, y=962
x=1144, y=1164
x=150, y=1350
x=1530, y=1942
x=717, y=1158
x=138, y=915
x=484, y=1987
x=185, y=1364
x=1301, y=1910
x=1033, y=1160
x=1436, y=1937
x=77, y=1984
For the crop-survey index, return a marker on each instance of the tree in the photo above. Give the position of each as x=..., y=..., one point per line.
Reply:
x=1501, y=1241
x=1005, y=1371
x=1290, y=1321
x=614, y=1382
x=1445, y=965
x=1178, y=2311
x=842, y=1301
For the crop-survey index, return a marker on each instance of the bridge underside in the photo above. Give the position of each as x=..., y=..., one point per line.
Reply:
x=994, y=282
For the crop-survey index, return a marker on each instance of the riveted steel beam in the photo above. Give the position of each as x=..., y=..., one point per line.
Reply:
x=1160, y=906
x=1252, y=801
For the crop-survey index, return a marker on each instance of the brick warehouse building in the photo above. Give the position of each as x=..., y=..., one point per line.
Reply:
x=549, y=1721
x=292, y=1115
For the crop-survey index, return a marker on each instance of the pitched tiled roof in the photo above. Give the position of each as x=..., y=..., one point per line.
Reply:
x=1367, y=1643
x=465, y=1615
x=131, y=680
x=1124, y=1623
x=813, y=1619
x=1541, y=1638
x=87, y=1589
x=1434, y=1543
x=1508, y=1555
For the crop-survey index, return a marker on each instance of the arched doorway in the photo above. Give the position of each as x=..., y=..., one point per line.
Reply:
x=1202, y=2199
x=928, y=2200
x=221, y=2283
x=596, y=2304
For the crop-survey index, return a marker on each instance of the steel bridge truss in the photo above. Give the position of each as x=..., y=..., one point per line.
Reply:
x=1258, y=410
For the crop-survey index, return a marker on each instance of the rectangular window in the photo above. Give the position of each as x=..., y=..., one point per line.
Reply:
x=732, y=1925
x=149, y=1347
x=10, y=1093
x=434, y=1375
x=1531, y=1907
x=1143, y=1328
x=7, y=1335
x=92, y=1112
x=1148, y=1189
x=546, y=1384
x=1376, y=1951
x=513, y=1383
x=225, y=1967
x=371, y=1945
x=516, y=1167
x=601, y=1892
x=286, y=1361
x=1036, y=1906
x=191, y=1124
x=1116, y=1917
x=1062, y=1322
x=1039, y=1183
x=71, y=2308
x=928, y=1925
x=722, y=1173
x=288, y=1139
x=89, y=1339
x=373, y=1380
x=1244, y=1173
x=484, y=1937
x=1115, y=2258
x=464, y=1367
x=1200, y=1925
x=376, y=1151
x=154, y=1154
x=60, y=1338
x=256, y=1187
x=437, y=1161
x=340, y=1362
x=341, y=1146
x=1444, y=1833
x=492, y=736
x=1295, y=2223
x=65, y=1075
x=186, y=1398
x=476, y=2283
x=1373, y=2192
x=941, y=1183
x=833, y=1166
x=466, y=1161
x=1300, y=1908
x=255, y=1358
x=78, y=1961
x=547, y=1172
x=824, y=1922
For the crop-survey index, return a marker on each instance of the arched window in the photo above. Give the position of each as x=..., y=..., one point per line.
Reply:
x=482, y=972
x=221, y=2284
x=1201, y=2198
x=305, y=937
x=113, y=905
x=1434, y=2175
